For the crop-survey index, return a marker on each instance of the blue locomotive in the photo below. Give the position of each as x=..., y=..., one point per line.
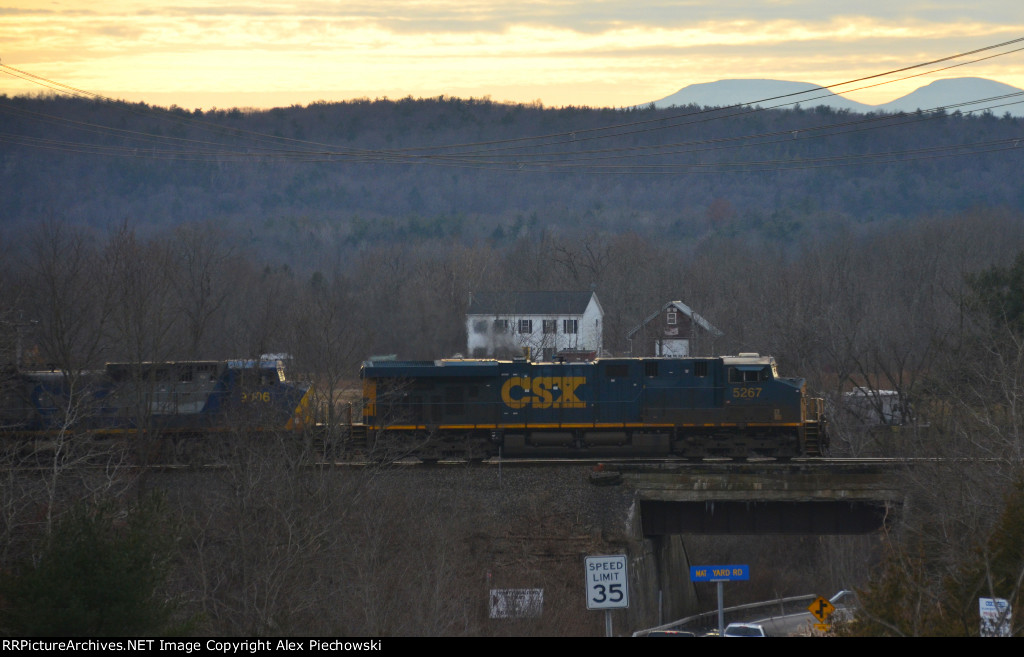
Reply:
x=167, y=397
x=730, y=406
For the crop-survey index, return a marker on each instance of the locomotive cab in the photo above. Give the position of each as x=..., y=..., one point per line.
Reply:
x=755, y=394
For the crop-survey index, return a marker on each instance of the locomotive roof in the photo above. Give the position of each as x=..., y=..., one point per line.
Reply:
x=740, y=360
x=748, y=359
x=238, y=363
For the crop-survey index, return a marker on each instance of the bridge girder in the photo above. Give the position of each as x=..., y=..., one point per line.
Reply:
x=761, y=517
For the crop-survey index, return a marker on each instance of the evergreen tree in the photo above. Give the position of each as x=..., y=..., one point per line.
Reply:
x=998, y=292
x=100, y=573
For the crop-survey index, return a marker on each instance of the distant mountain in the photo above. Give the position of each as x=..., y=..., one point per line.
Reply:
x=766, y=93
x=784, y=93
x=943, y=93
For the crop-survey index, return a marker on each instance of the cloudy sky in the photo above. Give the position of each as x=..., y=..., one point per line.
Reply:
x=601, y=53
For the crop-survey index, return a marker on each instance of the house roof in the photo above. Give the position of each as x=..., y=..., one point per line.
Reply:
x=684, y=309
x=529, y=303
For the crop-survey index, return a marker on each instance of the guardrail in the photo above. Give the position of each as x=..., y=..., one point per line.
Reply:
x=708, y=620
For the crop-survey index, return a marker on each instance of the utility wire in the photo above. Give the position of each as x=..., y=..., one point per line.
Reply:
x=574, y=135
x=489, y=154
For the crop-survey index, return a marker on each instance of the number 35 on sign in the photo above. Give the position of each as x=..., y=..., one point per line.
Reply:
x=607, y=582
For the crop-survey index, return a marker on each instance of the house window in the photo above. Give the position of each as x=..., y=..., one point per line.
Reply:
x=550, y=326
x=570, y=326
x=480, y=326
x=526, y=326
x=670, y=318
x=501, y=326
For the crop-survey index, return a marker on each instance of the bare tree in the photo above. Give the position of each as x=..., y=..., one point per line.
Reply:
x=329, y=343
x=200, y=278
x=144, y=321
x=67, y=295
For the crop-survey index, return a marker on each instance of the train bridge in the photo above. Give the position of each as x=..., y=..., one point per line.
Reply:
x=529, y=522
x=807, y=497
x=810, y=496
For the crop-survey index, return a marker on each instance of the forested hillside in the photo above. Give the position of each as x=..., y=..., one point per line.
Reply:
x=346, y=175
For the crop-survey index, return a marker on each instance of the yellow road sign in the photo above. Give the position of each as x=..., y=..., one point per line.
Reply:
x=821, y=609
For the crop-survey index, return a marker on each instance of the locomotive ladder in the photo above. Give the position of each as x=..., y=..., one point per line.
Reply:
x=812, y=440
x=813, y=434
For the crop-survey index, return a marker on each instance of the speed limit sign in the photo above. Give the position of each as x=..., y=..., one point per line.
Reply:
x=607, y=582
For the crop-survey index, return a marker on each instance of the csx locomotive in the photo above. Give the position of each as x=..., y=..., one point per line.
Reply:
x=730, y=406
x=165, y=397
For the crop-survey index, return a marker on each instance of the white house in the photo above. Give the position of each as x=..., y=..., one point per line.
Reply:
x=539, y=325
x=675, y=330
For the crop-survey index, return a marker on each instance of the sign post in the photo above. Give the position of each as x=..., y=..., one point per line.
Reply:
x=720, y=574
x=607, y=586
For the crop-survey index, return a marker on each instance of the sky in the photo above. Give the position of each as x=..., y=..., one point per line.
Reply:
x=596, y=53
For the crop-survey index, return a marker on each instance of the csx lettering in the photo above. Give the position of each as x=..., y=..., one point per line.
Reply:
x=543, y=391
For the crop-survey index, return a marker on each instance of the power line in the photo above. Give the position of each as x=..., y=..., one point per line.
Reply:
x=519, y=154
